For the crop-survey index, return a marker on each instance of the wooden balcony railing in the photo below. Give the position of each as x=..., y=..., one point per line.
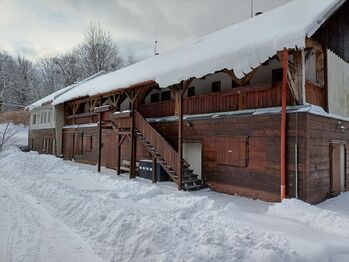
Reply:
x=83, y=118
x=168, y=153
x=247, y=97
x=122, y=120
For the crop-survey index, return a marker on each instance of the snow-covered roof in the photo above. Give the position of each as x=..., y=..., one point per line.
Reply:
x=240, y=47
x=48, y=99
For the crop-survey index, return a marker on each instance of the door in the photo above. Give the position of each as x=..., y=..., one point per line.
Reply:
x=338, y=167
x=192, y=154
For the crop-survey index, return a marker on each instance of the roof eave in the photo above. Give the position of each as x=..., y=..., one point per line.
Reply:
x=325, y=17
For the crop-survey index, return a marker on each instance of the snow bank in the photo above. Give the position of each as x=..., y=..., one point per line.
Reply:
x=130, y=221
x=326, y=220
x=135, y=220
x=240, y=47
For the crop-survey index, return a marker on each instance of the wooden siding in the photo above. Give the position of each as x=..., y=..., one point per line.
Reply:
x=334, y=34
x=261, y=177
x=315, y=94
x=320, y=131
x=109, y=147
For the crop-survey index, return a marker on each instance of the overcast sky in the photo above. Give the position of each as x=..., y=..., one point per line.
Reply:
x=37, y=28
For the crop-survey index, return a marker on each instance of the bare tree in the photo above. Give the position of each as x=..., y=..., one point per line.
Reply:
x=49, y=77
x=7, y=131
x=131, y=59
x=22, y=81
x=69, y=68
x=99, y=51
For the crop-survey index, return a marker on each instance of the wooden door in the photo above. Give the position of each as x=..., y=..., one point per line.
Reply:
x=337, y=168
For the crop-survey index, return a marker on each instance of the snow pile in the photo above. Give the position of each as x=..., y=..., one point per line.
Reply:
x=316, y=217
x=240, y=47
x=130, y=221
x=338, y=204
x=134, y=220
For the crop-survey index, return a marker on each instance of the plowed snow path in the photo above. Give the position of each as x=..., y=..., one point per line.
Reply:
x=29, y=233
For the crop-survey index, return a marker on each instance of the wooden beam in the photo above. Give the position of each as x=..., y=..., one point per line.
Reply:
x=154, y=171
x=99, y=141
x=283, y=126
x=179, y=98
x=325, y=54
x=296, y=76
x=133, y=100
x=118, y=162
x=243, y=81
x=311, y=43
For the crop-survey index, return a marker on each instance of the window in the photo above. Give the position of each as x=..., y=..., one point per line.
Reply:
x=154, y=98
x=42, y=118
x=191, y=91
x=277, y=75
x=49, y=117
x=165, y=96
x=232, y=151
x=216, y=86
x=34, y=119
x=45, y=117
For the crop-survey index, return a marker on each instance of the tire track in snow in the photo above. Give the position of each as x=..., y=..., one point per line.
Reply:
x=33, y=235
x=23, y=239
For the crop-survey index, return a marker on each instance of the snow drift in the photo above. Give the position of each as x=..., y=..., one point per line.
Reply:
x=135, y=221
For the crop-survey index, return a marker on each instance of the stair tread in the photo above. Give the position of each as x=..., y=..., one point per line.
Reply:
x=194, y=187
x=196, y=181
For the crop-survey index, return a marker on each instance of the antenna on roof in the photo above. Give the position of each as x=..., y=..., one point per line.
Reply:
x=155, y=47
x=252, y=9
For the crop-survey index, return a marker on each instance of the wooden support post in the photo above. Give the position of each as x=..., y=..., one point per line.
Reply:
x=283, y=125
x=154, y=171
x=118, y=169
x=133, y=135
x=325, y=72
x=99, y=141
x=180, y=136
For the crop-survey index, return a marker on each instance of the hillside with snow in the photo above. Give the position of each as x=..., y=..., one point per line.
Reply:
x=56, y=210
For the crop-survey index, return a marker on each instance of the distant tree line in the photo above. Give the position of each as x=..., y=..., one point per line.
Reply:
x=23, y=81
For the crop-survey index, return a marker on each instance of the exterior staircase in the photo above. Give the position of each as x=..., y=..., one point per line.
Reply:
x=166, y=155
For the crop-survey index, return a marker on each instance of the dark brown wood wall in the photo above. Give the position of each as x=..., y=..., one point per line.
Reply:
x=334, y=34
x=261, y=177
x=320, y=131
x=71, y=144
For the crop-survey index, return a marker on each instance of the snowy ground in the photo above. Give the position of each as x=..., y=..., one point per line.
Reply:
x=55, y=210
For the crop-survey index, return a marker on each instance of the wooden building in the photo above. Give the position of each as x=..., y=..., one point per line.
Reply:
x=47, y=121
x=258, y=109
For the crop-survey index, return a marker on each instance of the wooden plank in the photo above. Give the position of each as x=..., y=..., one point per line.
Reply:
x=154, y=171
